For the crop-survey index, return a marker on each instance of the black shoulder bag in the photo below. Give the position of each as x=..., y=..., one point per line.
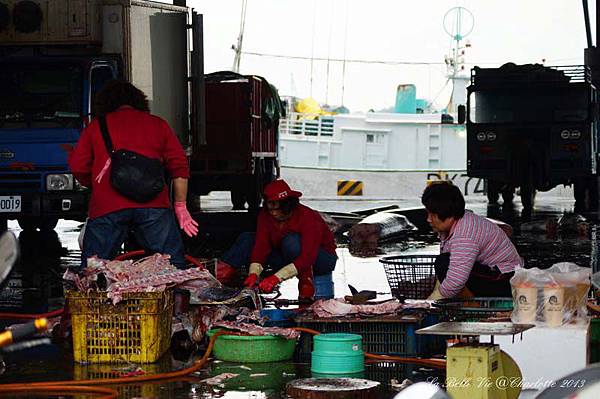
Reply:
x=133, y=175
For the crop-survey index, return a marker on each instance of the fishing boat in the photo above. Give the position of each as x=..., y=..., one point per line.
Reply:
x=389, y=154
x=383, y=155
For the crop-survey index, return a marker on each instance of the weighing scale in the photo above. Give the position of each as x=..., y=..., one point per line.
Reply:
x=479, y=370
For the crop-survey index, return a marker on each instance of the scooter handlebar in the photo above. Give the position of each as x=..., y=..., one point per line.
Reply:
x=23, y=331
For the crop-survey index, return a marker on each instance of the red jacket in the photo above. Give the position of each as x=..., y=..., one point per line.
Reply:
x=133, y=130
x=313, y=231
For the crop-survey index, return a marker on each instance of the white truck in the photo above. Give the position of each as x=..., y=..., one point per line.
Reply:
x=55, y=55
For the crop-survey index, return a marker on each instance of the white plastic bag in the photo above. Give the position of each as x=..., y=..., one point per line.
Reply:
x=551, y=297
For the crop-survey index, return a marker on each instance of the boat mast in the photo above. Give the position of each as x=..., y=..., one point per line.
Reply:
x=462, y=22
x=238, y=47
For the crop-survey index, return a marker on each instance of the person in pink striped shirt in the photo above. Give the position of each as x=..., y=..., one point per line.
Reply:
x=474, y=252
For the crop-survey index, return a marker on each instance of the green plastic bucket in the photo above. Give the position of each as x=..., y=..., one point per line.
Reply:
x=252, y=348
x=337, y=354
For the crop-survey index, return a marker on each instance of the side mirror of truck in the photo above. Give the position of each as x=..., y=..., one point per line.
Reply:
x=462, y=114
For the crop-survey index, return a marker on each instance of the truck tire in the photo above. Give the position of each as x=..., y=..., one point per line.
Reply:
x=493, y=191
x=238, y=200
x=527, y=198
x=508, y=195
x=44, y=224
x=254, y=197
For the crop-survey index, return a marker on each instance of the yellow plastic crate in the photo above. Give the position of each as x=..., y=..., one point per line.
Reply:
x=136, y=330
x=128, y=391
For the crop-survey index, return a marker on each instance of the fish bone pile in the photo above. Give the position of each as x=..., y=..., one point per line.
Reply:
x=150, y=274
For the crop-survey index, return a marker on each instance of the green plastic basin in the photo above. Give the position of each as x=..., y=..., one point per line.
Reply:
x=252, y=349
x=337, y=354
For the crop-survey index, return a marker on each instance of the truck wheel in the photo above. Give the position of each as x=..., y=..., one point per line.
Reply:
x=527, y=198
x=36, y=223
x=238, y=200
x=493, y=192
x=48, y=224
x=254, y=197
x=27, y=223
x=261, y=178
x=580, y=196
x=508, y=194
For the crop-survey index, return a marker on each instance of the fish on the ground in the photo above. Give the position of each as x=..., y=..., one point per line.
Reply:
x=218, y=379
x=331, y=223
x=568, y=225
x=379, y=226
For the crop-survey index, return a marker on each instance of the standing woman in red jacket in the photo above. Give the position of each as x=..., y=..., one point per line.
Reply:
x=131, y=127
x=290, y=237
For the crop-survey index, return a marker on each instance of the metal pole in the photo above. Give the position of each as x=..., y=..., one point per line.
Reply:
x=597, y=20
x=198, y=95
x=586, y=18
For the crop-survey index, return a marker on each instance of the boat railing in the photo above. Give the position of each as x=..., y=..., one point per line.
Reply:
x=301, y=124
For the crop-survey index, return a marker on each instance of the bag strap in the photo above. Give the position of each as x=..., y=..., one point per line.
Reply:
x=105, y=134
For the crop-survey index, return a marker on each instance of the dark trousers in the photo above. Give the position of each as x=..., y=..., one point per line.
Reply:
x=239, y=254
x=155, y=229
x=483, y=280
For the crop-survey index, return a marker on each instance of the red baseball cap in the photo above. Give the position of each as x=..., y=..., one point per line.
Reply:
x=279, y=190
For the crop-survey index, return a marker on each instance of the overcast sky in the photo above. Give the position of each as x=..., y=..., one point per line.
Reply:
x=520, y=31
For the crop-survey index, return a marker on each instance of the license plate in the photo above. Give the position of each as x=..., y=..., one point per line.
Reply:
x=10, y=203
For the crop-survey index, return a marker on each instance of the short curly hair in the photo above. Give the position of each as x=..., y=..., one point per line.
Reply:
x=444, y=199
x=118, y=92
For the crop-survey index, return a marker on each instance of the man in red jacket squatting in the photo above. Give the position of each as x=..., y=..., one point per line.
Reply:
x=290, y=237
x=131, y=127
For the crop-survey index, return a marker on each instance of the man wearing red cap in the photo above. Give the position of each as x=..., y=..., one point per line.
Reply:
x=290, y=237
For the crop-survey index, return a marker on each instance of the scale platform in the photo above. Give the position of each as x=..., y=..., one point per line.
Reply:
x=472, y=329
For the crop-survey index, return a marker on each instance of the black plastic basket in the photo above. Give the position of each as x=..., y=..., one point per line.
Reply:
x=474, y=309
x=410, y=276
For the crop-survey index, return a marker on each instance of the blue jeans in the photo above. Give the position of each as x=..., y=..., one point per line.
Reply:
x=154, y=228
x=239, y=254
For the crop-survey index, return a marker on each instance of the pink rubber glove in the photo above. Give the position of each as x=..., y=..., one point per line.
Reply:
x=187, y=224
x=269, y=283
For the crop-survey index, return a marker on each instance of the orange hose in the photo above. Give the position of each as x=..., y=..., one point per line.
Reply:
x=107, y=393
x=125, y=380
x=28, y=316
x=84, y=384
x=436, y=363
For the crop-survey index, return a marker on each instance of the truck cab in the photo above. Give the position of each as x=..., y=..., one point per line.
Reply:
x=44, y=104
x=531, y=127
x=54, y=57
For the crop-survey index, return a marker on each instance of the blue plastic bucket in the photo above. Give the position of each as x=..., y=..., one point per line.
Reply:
x=337, y=353
x=323, y=286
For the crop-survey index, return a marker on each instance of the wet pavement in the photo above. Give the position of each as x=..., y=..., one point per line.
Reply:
x=35, y=286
